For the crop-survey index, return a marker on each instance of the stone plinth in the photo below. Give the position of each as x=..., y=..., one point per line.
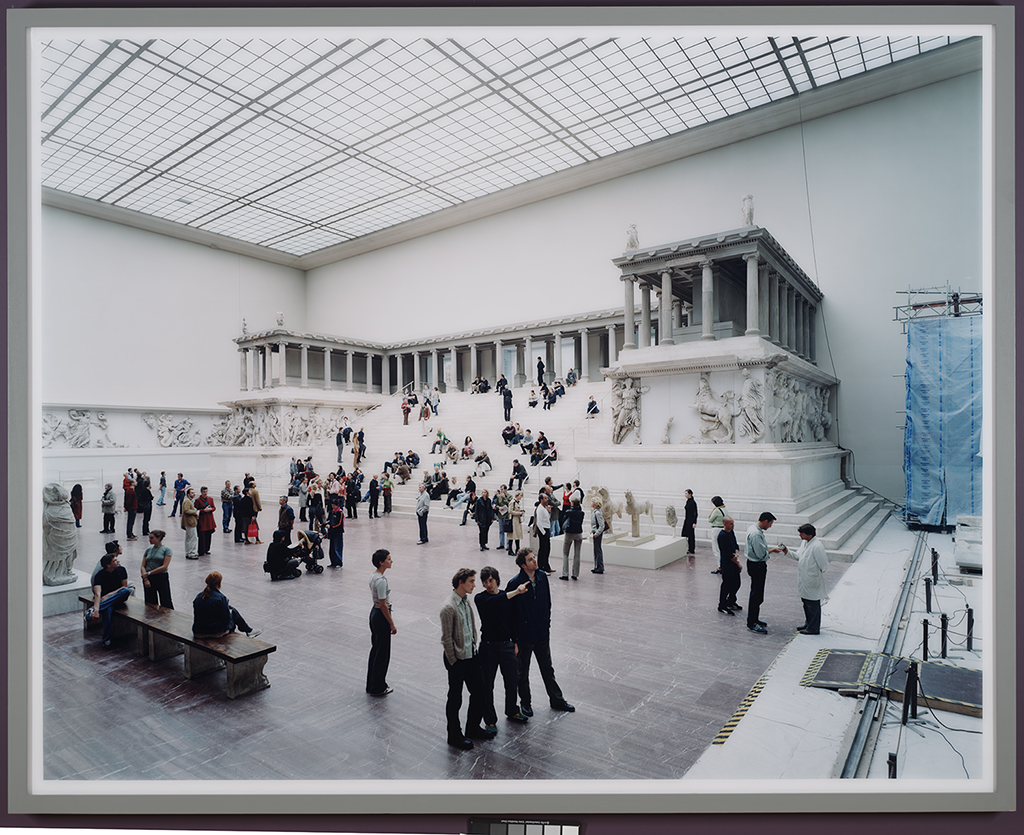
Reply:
x=644, y=552
x=59, y=600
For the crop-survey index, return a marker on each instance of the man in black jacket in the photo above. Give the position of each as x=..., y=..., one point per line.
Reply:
x=531, y=632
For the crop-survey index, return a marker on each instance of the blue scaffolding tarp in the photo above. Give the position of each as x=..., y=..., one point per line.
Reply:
x=942, y=441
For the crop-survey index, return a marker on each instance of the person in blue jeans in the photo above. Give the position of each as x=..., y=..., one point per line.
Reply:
x=180, y=485
x=109, y=589
x=163, y=488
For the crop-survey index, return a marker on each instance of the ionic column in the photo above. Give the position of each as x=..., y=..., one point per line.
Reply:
x=805, y=348
x=327, y=368
x=369, y=373
x=753, y=308
x=282, y=367
x=497, y=360
x=707, y=301
x=783, y=313
x=763, y=302
x=434, y=368
x=472, y=360
x=665, y=310
x=455, y=371
x=773, y=306
x=266, y=372
x=558, y=354
x=645, y=316
x=243, y=355
x=348, y=371
x=584, y=354
x=812, y=348
x=677, y=314
x=416, y=377
x=629, y=338
x=385, y=374
x=791, y=318
x=304, y=367
x=611, y=345
x=527, y=360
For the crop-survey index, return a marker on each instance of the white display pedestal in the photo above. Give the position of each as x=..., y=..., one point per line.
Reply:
x=59, y=600
x=645, y=552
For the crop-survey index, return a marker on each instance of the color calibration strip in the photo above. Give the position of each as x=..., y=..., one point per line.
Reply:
x=520, y=826
x=730, y=726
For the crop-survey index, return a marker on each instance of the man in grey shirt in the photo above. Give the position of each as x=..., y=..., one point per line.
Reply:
x=462, y=661
x=757, y=551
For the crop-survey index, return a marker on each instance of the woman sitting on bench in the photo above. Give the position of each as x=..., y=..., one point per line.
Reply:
x=214, y=618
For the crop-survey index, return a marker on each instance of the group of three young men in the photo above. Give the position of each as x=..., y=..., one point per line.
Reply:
x=515, y=625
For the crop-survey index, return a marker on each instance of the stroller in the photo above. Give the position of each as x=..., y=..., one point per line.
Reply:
x=309, y=550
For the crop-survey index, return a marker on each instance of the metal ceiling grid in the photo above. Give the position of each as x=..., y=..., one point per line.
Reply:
x=298, y=146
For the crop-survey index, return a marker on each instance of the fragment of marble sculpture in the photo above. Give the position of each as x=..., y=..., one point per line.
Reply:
x=668, y=425
x=635, y=510
x=608, y=507
x=280, y=319
x=717, y=412
x=626, y=409
x=670, y=517
x=60, y=536
x=751, y=408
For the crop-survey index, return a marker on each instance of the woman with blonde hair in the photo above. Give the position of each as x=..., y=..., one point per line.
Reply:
x=214, y=617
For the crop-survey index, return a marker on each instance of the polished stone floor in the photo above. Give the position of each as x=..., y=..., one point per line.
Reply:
x=652, y=668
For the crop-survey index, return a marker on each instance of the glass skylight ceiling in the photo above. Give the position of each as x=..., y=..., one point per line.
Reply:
x=298, y=146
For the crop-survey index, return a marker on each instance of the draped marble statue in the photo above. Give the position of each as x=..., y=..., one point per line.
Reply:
x=60, y=536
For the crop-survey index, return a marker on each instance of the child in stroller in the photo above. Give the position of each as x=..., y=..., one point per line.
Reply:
x=309, y=550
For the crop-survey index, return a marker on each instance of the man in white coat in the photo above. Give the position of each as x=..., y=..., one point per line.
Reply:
x=813, y=562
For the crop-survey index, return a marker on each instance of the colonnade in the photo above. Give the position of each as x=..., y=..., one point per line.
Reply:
x=263, y=358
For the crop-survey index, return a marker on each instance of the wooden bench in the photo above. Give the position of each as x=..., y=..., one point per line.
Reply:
x=163, y=633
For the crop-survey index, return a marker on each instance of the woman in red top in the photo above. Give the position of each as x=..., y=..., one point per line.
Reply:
x=207, y=521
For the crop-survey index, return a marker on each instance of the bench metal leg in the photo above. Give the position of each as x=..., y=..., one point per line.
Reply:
x=246, y=677
x=161, y=647
x=199, y=662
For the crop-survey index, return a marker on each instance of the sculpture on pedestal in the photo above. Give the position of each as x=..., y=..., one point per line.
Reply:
x=280, y=319
x=60, y=537
x=747, y=212
x=632, y=239
x=636, y=509
x=608, y=507
x=717, y=412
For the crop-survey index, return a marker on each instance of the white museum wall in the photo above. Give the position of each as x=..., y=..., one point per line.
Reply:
x=131, y=318
x=892, y=196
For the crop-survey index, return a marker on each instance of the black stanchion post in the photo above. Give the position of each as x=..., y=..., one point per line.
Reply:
x=928, y=595
x=970, y=628
x=935, y=566
x=924, y=641
x=892, y=766
x=912, y=689
x=945, y=630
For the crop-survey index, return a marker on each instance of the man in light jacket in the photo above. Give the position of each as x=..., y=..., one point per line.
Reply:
x=810, y=584
x=422, y=509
